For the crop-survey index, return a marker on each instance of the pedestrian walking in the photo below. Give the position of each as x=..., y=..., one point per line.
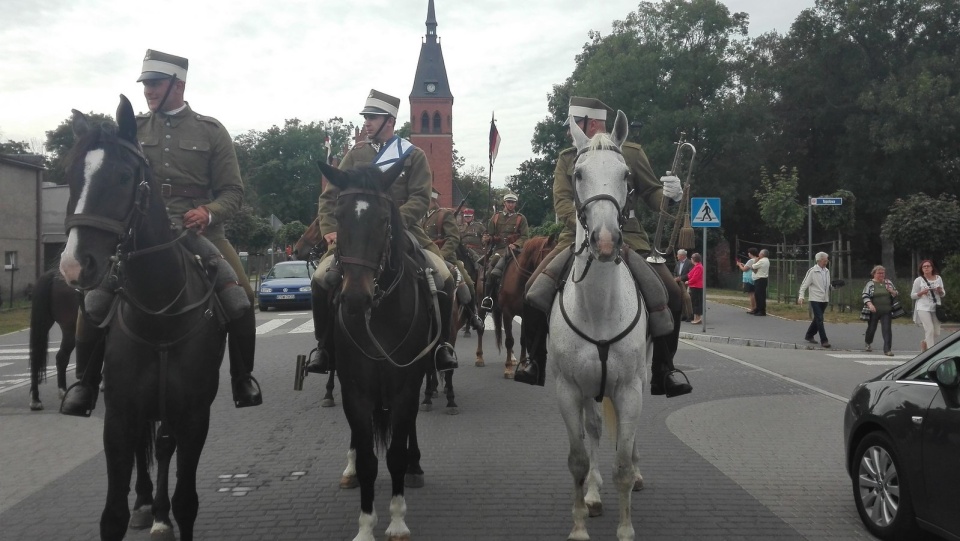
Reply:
x=817, y=281
x=695, y=283
x=879, y=304
x=927, y=292
x=761, y=275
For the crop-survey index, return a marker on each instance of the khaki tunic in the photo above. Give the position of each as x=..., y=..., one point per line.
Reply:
x=411, y=191
x=644, y=185
x=192, y=151
x=441, y=228
x=505, y=229
x=471, y=235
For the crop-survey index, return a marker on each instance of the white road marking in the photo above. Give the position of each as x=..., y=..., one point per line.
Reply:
x=866, y=356
x=271, y=325
x=304, y=328
x=23, y=350
x=4, y=364
x=880, y=363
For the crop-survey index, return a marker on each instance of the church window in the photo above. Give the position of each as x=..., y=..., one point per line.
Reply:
x=425, y=123
x=437, y=123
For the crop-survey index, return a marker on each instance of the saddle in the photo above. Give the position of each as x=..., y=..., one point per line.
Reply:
x=543, y=289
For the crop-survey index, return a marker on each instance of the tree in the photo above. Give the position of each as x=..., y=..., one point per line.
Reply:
x=777, y=198
x=290, y=233
x=927, y=226
x=249, y=232
x=838, y=217
x=14, y=147
x=533, y=184
x=59, y=142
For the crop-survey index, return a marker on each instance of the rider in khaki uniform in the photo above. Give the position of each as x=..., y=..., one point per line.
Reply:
x=411, y=192
x=506, y=229
x=194, y=159
x=441, y=227
x=591, y=115
x=471, y=233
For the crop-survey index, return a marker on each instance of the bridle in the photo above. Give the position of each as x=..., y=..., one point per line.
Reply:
x=581, y=207
x=385, y=255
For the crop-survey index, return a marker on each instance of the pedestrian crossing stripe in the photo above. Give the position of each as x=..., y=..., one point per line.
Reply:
x=707, y=212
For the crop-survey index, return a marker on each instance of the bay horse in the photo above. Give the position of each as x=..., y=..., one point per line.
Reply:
x=387, y=322
x=53, y=302
x=166, y=335
x=598, y=331
x=509, y=301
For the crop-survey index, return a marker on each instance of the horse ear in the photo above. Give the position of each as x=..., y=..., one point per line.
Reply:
x=334, y=175
x=621, y=128
x=391, y=175
x=79, y=124
x=126, y=120
x=580, y=139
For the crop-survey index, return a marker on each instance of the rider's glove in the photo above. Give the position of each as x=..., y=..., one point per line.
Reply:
x=671, y=187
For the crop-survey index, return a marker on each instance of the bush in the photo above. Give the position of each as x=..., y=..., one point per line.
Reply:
x=951, y=284
x=546, y=229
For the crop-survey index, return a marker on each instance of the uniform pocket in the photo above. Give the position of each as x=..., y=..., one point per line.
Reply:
x=200, y=146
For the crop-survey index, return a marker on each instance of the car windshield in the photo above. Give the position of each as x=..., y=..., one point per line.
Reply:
x=289, y=271
x=919, y=372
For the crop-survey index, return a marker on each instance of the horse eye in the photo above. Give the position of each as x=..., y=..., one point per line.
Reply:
x=577, y=175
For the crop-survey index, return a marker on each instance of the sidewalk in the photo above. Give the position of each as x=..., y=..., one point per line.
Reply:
x=728, y=324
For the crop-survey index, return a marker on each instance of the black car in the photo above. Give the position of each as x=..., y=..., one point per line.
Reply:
x=902, y=436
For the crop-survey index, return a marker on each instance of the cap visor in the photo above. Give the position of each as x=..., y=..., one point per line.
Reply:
x=373, y=111
x=151, y=75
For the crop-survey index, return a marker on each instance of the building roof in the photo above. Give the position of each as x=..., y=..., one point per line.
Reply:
x=430, y=67
x=31, y=161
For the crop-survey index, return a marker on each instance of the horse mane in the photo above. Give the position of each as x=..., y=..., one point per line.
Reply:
x=600, y=141
x=530, y=249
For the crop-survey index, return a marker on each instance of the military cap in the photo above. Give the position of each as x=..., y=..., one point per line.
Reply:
x=468, y=212
x=379, y=103
x=587, y=108
x=510, y=197
x=157, y=65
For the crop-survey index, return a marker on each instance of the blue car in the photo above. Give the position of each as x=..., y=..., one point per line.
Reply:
x=287, y=285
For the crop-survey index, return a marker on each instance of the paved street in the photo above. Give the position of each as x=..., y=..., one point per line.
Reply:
x=754, y=453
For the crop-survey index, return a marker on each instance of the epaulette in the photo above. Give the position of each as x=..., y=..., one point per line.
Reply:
x=204, y=118
x=359, y=145
x=568, y=150
x=633, y=145
x=144, y=115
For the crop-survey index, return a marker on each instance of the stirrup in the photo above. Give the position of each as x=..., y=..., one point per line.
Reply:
x=487, y=303
x=452, y=364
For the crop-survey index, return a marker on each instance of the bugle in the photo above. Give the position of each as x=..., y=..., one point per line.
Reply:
x=682, y=165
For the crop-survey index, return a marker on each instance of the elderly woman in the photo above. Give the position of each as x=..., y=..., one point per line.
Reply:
x=878, y=296
x=695, y=283
x=927, y=292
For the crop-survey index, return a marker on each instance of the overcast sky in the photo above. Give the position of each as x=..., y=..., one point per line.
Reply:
x=255, y=63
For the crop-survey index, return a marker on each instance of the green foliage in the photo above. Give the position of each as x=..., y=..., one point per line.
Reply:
x=290, y=233
x=59, y=142
x=838, y=217
x=546, y=229
x=533, y=184
x=924, y=224
x=951, y=284
x=249, y=232
x=777, y=198
x=14, y=147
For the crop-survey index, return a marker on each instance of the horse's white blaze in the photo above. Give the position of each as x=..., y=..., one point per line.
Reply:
x=367, y=524
x=69, y=266
x=361, y=207
x=398, y=511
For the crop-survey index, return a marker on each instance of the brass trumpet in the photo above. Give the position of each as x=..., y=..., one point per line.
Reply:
x=682, y=237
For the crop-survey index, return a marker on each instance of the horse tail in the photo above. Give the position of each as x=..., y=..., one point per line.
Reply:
x=498, y=328
x=610, y=418
x=41, y=319
x=381, y=427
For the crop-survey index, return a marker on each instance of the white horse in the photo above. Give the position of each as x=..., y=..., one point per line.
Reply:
x=598, y=333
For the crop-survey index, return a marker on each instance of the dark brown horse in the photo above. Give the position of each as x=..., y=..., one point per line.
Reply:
x=53, y=302
x=509, y=302
x=311, y=245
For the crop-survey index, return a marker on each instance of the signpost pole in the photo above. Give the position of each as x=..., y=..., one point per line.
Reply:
x=703, y=258
x=809, y=231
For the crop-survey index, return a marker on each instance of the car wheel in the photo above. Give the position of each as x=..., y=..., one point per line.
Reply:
x=882, y=491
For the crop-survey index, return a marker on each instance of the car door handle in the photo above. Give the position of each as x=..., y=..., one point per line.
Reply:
x=917, y=419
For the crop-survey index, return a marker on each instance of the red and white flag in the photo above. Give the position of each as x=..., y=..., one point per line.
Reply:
x=494, y=141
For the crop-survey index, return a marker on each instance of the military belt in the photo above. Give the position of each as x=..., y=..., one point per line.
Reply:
x=169, y=190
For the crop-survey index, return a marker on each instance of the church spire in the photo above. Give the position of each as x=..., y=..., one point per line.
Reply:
x=431, y=23
x=431, y=78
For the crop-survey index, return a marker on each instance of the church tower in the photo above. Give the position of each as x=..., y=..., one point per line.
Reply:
x=431, y=111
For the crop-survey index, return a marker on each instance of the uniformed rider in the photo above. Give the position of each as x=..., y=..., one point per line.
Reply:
x=440, y=225
x=411, y=192
x=194, y=159
x=506, y=230
x=471, y=234
x=591, y=115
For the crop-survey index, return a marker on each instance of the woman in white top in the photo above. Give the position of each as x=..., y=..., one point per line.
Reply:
x=927, y=292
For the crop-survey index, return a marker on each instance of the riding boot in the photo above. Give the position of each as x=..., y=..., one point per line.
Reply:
x=667, y=379
x=533, y=327
x=322, y=331
x=491, y=287
x=81, y=397
x=444, y=357
x=242, y=342
x=470, y=310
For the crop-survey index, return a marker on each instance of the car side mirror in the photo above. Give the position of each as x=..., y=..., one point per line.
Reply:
x=945, y=373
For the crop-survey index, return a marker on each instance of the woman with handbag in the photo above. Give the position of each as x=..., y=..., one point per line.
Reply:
x=927, y=310
x=880, y=305
x=695, y=283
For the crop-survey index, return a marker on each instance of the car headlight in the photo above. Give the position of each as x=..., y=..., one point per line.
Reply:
x=305, y=288
x=265, y=290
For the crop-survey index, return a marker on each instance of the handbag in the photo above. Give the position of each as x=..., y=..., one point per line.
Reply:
x=939, y=311
x=865, y=313
x=896, y=310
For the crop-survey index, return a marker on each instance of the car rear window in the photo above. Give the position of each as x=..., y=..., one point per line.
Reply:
x=290, y=271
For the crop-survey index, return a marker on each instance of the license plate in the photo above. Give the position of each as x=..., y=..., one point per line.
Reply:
x=285, y=297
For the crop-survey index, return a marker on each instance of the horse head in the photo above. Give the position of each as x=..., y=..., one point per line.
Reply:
x=109, y=196
x=368, y=229
x=600, y=188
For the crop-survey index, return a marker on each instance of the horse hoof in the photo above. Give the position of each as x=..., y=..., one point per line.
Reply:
x=413, y=480
x=36, y=405
x=638, y=484
x=162, y=532
x=349, y=481
x=479, y=363
x=426, y=407
x=452, y=410
x=404, y=537
x=327, y=403
x=508, y=374
x=141, y=518
x=595, y=509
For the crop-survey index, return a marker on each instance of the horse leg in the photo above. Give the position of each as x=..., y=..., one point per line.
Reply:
x=429, y=391
x=397, y=465
x=578, y=461
x=452, y=408
x=142, y=516
x=166, y=444
x=367, y=466
x=414, y=476
x=35, y=403
x=328, y=401
x=39, y=335
x=119, y=443
x=594, y=482
x=67, y=344
x=189, y=439
x=479, y=353
x=628, y=404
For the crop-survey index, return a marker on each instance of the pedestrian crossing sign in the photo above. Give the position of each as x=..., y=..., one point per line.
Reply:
x=705, y=211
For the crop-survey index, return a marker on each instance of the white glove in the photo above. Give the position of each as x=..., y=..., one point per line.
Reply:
x=672, y=188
